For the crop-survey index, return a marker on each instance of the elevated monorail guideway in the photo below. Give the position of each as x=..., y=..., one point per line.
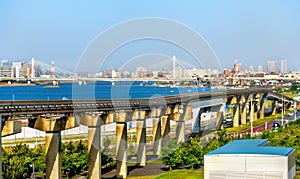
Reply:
x=38, y=107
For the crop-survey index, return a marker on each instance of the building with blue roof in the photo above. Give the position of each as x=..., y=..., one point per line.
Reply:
x=253, y=158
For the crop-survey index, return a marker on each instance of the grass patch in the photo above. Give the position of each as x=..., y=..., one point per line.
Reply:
x=142, y=177
x=176, y=174
x=182, y=174
x=256, y=123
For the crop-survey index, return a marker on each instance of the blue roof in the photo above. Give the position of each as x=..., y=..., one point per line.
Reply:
x=251, y=146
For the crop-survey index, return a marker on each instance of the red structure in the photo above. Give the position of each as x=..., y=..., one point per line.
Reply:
x=52, y=68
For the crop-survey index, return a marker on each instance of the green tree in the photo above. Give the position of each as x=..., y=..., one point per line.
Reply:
x=74, y=158
x=287, y=137
x=17, y=161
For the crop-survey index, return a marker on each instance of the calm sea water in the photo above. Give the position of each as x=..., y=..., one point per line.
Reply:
x=91, y=90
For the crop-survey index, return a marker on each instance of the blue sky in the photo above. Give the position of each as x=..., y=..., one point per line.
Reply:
x=251, y=31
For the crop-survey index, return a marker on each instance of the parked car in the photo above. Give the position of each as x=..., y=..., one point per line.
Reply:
x=291, y=114
x=227, y=120
x=275, y=125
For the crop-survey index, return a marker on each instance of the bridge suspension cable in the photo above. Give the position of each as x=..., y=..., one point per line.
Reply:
x=48, y=69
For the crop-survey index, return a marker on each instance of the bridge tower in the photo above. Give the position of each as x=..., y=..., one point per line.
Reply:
x=174, y=66
x=32, y=68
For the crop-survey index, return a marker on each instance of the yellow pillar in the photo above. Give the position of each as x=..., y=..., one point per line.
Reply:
x=94, y=158
x=156, y=136
x=255, y=111
x=273, y=107
x=53, y=155
x=141, y=143
x=94, y=144
x=121, y=147
x=166, y=128
x=262, y=109
x=220, y=117
x=252, y=112
x=244, y=114
x=180, y=136
x=11, y=127
x=236, y=115
x=53, y=127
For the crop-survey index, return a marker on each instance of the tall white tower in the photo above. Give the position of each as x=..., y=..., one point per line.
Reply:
x=17, y=72
x=32, y=68
x=174, y=66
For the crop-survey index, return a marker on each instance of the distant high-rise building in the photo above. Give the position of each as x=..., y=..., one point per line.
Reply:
x=227, y=73
x=5, y=69
x=4, y=63
x=259, y=68
x=17, y=66
x=237, y=67
x=283, y=65
x=251, y=69
x=271, y=66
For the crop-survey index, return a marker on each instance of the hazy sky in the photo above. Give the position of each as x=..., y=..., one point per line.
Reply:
x=253, y=31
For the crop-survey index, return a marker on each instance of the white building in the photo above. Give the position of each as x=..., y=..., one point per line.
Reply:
x=259, y=68
x=272, y=67
x=16, y=68
x=283, y=65
x=250, y=159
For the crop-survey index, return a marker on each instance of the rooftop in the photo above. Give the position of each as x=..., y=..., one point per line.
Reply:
x=251, y=146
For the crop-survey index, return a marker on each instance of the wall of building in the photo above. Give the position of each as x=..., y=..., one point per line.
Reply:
x=246, y=166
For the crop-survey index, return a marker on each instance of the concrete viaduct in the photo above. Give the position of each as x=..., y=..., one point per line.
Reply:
x=56, y=116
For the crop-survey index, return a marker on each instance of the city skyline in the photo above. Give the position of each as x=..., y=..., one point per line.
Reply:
x=161, y=62
x=252, y=31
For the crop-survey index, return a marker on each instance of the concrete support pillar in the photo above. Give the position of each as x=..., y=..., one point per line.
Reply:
x=53, y=155
x=94, y=144
x=244, y=114
x=252, y=112
x=180, y=118
x=220, y=118
x=121, y=147
x=94, y=159
x=180, y=136
x=220, y=115
x=262, y=109
x=236, y=115
x=156, y=136
x=141, y=143
x=255, y=111
x=11, y=127
x=273, y=107
x=166, y=128
x=53, y=127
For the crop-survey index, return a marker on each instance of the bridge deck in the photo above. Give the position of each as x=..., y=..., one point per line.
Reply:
x=35, y=107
